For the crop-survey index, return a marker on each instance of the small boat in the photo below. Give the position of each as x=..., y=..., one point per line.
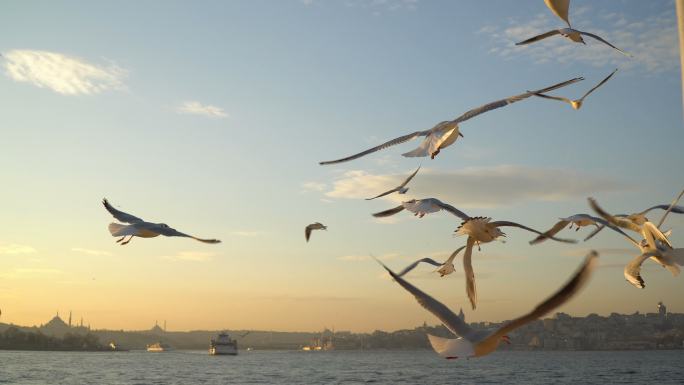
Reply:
x=223, y=345
x=158, y=347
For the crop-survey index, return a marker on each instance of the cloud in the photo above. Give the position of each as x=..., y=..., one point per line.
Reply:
x=197, y=108
x=15, y=248
x=61, y=73
x=28, y=273
x=652, y=41
x=192, y=256
x=313, y=186
x=91, y=252
x=483, y=187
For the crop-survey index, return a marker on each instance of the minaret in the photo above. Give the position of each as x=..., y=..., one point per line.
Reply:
x=164, y=326
x=461, y=315
x=81, y=321
x=69, y=318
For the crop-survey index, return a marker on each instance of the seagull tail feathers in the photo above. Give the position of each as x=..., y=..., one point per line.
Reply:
x=116, y=229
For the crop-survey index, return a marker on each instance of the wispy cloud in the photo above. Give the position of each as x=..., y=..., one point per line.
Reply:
x=313, y=186
x=63, y=74
x=192, y=256
x=91, y=252
x=652, y=41
x=479, y=186
x=15, y=248
x=197, y=108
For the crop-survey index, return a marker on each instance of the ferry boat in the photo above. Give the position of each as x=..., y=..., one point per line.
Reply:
x=158, y=347
x=223, y=345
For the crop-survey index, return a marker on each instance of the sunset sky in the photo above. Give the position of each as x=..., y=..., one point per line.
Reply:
x=213, y=117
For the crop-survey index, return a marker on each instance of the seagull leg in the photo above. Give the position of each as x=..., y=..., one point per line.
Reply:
x=126, y=242
x=122, y=238
x=434, y=154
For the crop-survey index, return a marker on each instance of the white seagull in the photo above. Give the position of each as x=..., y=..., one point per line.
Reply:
x=477, y=343
x=579, y=221
x=654, y=245
x=311, y=227
x=577, y=103
x=445, y=133
x=140, y=228
x=445, y=268
x=401, y=189
x=478, y=229
x=572, y=34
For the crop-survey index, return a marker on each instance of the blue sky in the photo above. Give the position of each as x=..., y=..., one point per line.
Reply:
x=213, y=118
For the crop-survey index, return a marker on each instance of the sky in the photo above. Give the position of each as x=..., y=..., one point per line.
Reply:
x=213, y=117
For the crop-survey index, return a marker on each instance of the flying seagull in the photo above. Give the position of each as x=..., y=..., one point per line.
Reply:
x=140, y=228
x=572, y=34
x=311, y=227
x=477, y=343
x=577, y=103
x=579, y=221
x=478, y=229
x=445, y=133
x=401, y=189
x=445, y=268
x=654, y=245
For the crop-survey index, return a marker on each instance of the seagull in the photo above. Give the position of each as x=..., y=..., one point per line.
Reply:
x=577, y=220
x=401, y=189
x=311, y=227
x=572, y=34
x=445, y=133
x=445, y=268
x=577, y=103
x=141, y=228
x=559, y=8
x=477, y=343
x=478, y=229
x=654, y=245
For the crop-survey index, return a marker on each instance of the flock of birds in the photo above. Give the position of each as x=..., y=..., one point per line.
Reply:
x=651, y=242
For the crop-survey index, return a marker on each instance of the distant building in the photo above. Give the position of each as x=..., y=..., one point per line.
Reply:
x=662, y=310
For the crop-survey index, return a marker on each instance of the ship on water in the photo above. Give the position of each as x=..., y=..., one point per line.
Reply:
x=158, y=347
x=324, y=342
x=223, y=345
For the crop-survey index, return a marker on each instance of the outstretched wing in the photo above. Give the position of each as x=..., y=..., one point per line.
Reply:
x=438, y=309
x=518, y=225
x=436, y=203
x=389, y=212
x=470, y=273
x=504, y=102
x=307, y=232
x=599, y=85
x=409, y=178
x=599, y=38
x=382, y=195
x=539, y=37
x=171, y=232
x=632, y=271
x=559, y=8
x=613, y=220
x=577, y=282
x=560, y=225
x=560, y=98
x=412, y=266
x=120, y=215
x=383, y=146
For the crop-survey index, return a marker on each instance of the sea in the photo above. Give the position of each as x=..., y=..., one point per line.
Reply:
x=341, y=367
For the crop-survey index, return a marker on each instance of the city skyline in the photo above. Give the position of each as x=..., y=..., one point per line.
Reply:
x=213, y=119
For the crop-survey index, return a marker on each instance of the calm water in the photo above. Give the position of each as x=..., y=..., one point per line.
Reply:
x=341, y=367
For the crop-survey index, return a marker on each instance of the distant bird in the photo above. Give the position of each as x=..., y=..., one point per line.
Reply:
x=654, y=245
x=401, y=189
x=478, y=229
x=445, y=133
x=577, y=103
x=577, y=220
x=559, y=8
x=311, y=227
x=142, y=229
x=477, y=343
x=445, y=268
x=572, y=34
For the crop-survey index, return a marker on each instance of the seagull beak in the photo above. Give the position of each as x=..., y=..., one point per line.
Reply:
x=461, y=135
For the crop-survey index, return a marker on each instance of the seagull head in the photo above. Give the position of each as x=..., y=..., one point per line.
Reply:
x=164, y=225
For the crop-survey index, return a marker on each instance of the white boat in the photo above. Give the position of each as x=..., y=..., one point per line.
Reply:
x=223, y=345
x=158, y=347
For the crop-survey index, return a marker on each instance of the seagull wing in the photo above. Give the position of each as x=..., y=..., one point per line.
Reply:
x=577, y=282
x=120, y=215
x=438, y=309
x=670, y=208
x=559, y=8
x=616, y=221
x=390, y=212
x=171, y=232
x=632, y=270
x=454, y=254
x=383, y=194
x=599, y=38
x=599, y=85
x=307, y=232
x=447, y=207
x=416, y=263
x=560, y=225
x=504, y=102
x=409, y=178
x=562, y=99
x=513, y=224
x=383, y=146
x=469, y=273
x=539, y=37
